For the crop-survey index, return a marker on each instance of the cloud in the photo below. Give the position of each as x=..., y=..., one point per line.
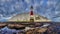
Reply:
x=28, y=1
x=41, y=2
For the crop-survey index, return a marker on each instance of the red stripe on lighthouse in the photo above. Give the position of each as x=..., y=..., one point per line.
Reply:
x=31, y=13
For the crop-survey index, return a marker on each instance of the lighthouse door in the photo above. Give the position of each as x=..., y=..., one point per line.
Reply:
x=31, y=20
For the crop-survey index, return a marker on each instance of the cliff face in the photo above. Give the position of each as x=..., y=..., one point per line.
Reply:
x=26, y=17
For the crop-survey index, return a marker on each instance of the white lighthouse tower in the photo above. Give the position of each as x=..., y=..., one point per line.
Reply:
x=31, y=14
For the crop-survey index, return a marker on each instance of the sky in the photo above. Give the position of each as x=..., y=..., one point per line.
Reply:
x=46, y=8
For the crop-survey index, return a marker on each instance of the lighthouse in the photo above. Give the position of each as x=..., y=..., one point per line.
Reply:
x=31, y=14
